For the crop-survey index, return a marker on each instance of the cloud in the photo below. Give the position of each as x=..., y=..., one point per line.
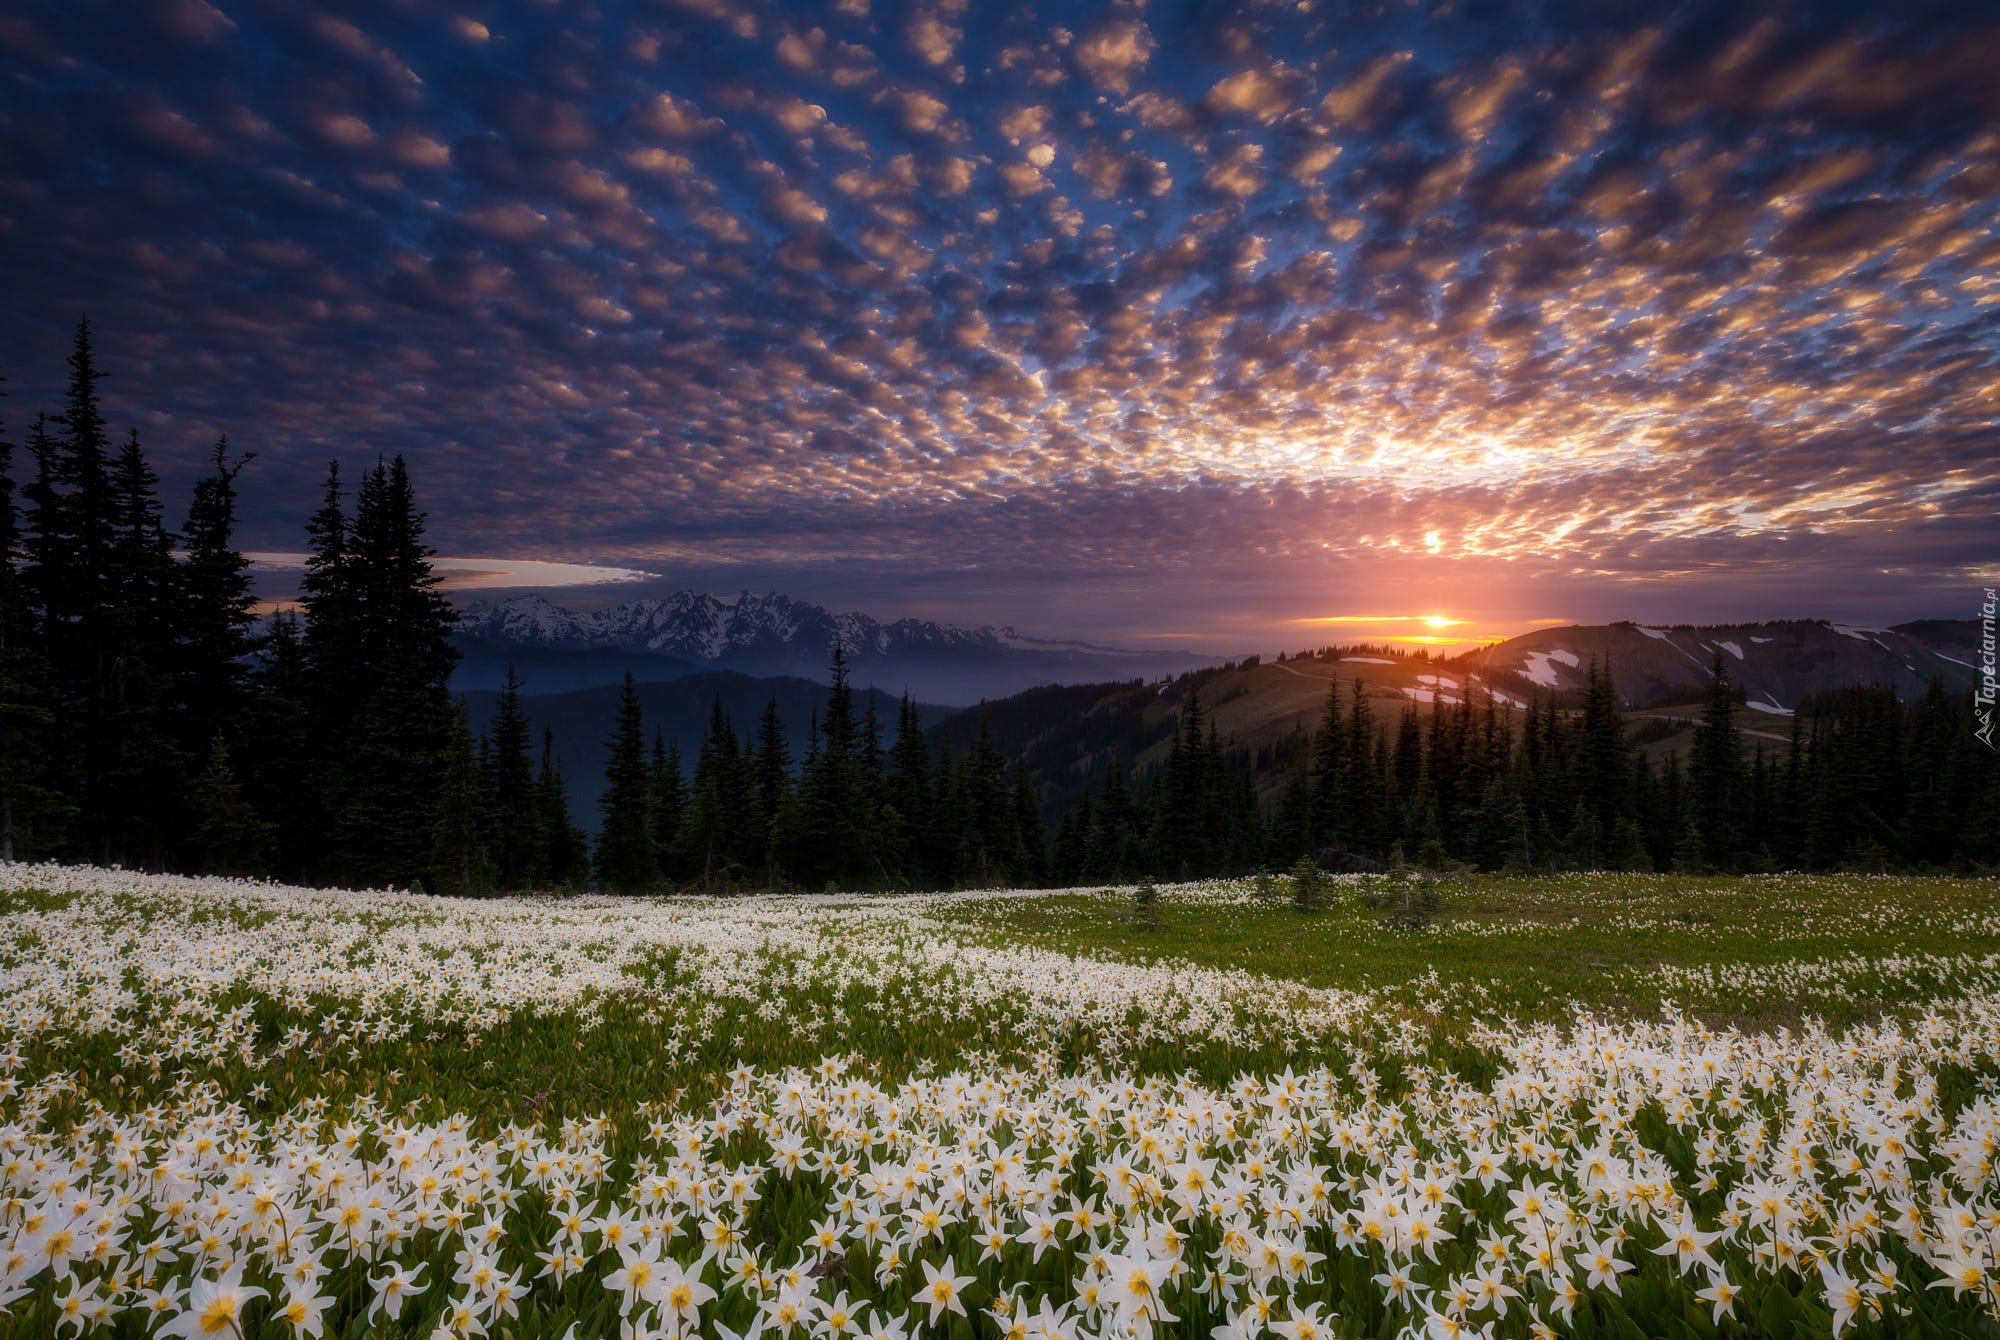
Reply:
x=1114, y=53
x=981, y=303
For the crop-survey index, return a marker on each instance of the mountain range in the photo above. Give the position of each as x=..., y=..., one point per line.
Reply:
x=1068, y=710
x=774, y=635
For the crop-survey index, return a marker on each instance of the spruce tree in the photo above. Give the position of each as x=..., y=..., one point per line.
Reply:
x=562, y=850
x=213, y=622
x=144, y=777
x=397, y=625
x=275, y=758
x=624, y=860
x=68, y=581
x=908, y=792
x=668, y=802
x=773, y=767
x=461, y=864
x=1329, y=767
x=510, y=780
x=831, y=839
x=1715, y=774
x=943, y=827
x=386, y=826
x=31, y=809
x=1031, y=841
x=1603, y=765
x=995, y=841
x=333, y=681
x=226, y=836
x=1363, y=783
x=706, y=845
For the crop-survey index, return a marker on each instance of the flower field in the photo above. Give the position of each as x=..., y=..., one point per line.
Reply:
x=1595, y=1106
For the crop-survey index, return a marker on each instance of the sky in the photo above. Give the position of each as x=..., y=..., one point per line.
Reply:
x=1221, y=326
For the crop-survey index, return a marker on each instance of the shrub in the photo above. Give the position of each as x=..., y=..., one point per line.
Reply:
x=1309, y=885
x=1146, y=904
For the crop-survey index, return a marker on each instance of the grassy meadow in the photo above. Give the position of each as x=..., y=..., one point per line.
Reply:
x=1589, y=1105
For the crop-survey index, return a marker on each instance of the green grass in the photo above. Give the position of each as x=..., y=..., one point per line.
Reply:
x=1537, y=947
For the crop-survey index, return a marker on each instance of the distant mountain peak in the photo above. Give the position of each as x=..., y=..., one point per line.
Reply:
x=709, y=627
x=773, y=634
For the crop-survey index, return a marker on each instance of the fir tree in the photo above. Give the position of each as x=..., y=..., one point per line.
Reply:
x=280, y=773
x=68, y=578
x=213, y=622
x=227, y=836
x=510, y=781
x=561, y=851
x=624, y=861
x=832, y=838
x=1329, y=769
x=668, y=802
x=995, y=842
x=908, y=792
x=708, y=839
x=461, y=864
x=1362, y=785
x=386, y=826
x=1715, y=774
x=1603, y=766
x=773, y=767
x=31, y=809
x=1033, y=871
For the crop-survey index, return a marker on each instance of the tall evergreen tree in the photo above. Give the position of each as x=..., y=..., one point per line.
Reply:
x=390, y=628
x=213, y=622
x=668, y=805
x=773, y=766
x=831, y=839
x=1362, y=785
x=908, y=791
x=461, y=863
x=562, y=851
x=710, y=839
x=226, y=835
x=625, y=862
x=1715, y=775
x=141, y=770
x=1603, y=763
x=510, y=780
x=31, y=809
x=1329, y=768
x=1032, y=841
x=280, y=772
x=68, y=581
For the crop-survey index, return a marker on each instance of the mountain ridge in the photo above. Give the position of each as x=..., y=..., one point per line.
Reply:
x=1776, y=663
x=775, y=635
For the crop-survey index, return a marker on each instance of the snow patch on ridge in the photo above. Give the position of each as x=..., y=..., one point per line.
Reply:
x=1540, y=671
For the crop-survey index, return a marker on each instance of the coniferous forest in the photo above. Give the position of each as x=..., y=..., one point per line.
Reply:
x=149, y=718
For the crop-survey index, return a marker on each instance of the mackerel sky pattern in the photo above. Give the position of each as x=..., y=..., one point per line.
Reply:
x=1128, y=319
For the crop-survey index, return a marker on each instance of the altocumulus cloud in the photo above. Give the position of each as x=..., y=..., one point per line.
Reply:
x=982, y=303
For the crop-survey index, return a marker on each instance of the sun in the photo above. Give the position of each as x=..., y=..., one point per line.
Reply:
x=1439, y=621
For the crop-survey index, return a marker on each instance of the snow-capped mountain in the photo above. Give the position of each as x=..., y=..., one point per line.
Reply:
x=776, y=635
x=703, y=627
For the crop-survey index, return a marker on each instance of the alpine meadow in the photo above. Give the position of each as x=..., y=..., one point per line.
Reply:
x=931, y=670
